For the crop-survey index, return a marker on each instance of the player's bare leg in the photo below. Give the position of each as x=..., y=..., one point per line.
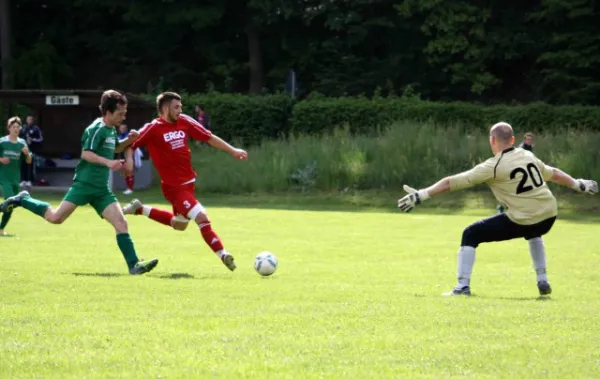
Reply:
x=135, y=207
x=180, y=223
x=114, y=215
x=210, y=237
x=40, y=208
x=59, y=215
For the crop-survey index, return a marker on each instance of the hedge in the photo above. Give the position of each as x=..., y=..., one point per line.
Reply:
x=249, y=119
x=365, y=115
x=243, y=118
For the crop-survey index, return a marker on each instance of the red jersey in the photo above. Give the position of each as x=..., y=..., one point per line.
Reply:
x=167, y=144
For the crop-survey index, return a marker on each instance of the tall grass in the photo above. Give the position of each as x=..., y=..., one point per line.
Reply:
x=404, y=153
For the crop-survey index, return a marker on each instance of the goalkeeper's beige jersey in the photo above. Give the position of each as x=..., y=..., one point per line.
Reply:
x=518, y=180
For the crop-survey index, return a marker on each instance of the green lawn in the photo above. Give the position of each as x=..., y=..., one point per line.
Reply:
x=357, y=294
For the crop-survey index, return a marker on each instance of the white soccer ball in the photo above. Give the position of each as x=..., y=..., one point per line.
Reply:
x=265, y=263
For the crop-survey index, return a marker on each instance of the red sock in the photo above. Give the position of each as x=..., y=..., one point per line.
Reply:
x=210, y=237
x=129, y=180
x=158, y=215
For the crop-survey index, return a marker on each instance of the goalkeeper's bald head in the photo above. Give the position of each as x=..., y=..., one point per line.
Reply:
x=501, y=137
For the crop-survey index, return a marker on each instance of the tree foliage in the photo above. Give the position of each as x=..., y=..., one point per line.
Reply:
x=488, y=52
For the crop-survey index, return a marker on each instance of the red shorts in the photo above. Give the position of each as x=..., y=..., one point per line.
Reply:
x=182, y=198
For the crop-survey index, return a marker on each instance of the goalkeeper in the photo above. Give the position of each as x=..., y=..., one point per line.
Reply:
x=518, y=179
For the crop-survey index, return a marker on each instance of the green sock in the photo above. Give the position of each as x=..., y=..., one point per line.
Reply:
x=126, y=245
x=35, y=206
x=5, y=218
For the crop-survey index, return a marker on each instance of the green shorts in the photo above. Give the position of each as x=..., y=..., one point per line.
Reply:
x=10, y=189
x=83, y=194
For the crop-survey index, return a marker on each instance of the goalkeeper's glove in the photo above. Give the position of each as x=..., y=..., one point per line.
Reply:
x=414, y=197
x=587, y=186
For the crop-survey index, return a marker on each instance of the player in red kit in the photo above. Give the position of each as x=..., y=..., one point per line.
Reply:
x=166, y=139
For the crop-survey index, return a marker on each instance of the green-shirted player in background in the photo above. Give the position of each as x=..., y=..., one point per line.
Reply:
x=12, y=150
x=90, y=183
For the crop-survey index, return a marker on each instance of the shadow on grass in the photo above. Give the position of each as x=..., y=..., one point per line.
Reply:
x=173, y=276
x=519, y=298
x=484, y=297
x=176, y=275
x=99, y=274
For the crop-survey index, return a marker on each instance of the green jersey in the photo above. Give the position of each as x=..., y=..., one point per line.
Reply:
x=101, y=140
x=11, y=173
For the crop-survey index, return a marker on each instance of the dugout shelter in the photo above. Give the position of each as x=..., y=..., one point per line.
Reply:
x=63, y=115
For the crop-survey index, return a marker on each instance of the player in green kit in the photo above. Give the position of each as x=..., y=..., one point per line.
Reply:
x=12, y=150
x=90, y=184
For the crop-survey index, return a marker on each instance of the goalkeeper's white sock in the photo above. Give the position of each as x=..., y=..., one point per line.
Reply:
x=538, y=256
x=466, y=259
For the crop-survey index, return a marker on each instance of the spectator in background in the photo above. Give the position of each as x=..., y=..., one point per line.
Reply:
x=137, y=159
x=204, y=120
x=527, y=143
x=123, y=132
x=203, y=117
x=32, y=134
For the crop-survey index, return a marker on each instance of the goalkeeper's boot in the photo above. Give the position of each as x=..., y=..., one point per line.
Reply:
x=457, y=291
x=227, y=260
x=143, y=267
x=13, y=202
x=133, y=207
x=544, y=288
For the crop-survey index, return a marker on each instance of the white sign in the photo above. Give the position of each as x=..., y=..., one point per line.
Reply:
x=62, y=100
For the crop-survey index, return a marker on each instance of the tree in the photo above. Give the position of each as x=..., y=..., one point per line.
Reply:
x=5, y=43
x=254, y=57
x=457, y=49
x=570, y=61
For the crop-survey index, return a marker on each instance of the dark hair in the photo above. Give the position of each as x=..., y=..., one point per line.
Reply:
x=109, y=101
x=166, y=98
x=14, y=120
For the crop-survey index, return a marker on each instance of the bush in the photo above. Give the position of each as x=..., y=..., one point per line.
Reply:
x=367, y=115
x=245, y=119
x=404, y=153
x=252, y=119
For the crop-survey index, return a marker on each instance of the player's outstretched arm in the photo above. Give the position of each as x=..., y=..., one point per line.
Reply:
x=416, y=197
x=217, y=142
x=580, y=185
x=479, y=174
x=94, y=158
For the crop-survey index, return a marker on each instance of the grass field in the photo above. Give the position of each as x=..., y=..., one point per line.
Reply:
x=357, y=295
